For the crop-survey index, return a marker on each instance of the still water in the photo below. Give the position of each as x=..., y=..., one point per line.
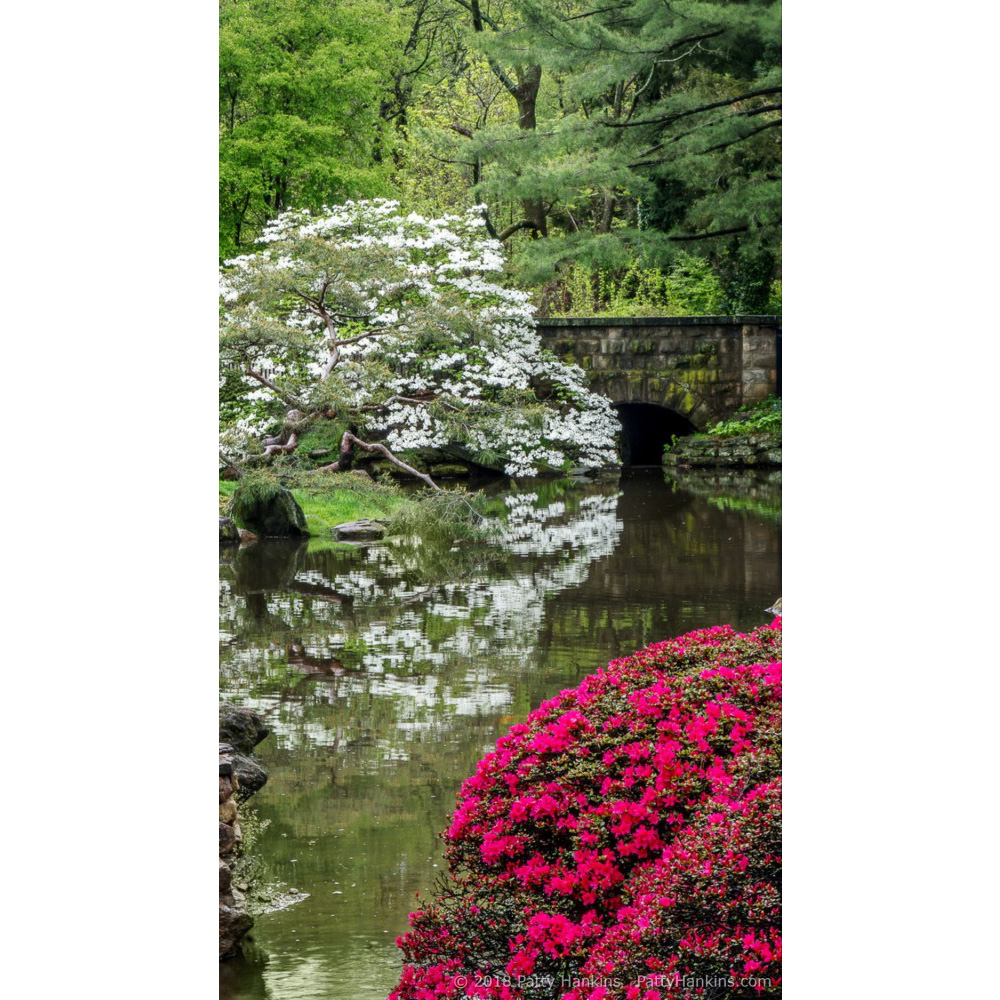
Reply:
x=386, y=672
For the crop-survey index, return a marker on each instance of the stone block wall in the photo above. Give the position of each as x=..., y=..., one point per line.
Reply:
x=702, y=367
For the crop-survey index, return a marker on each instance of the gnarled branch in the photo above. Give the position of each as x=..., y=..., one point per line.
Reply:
x=350, y=441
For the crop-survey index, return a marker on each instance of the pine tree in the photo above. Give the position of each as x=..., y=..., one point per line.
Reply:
x=653, y=127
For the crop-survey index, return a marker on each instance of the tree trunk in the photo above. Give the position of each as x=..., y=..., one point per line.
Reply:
x=529, y=80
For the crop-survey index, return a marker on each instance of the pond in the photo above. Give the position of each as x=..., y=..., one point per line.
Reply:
x=386, y=672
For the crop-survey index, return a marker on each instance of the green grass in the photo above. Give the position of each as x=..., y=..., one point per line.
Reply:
x=336, y=499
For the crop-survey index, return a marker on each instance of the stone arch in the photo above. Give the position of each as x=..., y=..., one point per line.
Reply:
x=668, y=393
x=647, y=428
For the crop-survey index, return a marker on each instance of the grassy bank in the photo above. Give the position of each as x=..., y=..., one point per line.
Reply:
x=328, y=500
x=347, y=497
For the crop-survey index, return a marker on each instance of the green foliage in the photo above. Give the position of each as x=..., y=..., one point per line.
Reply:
x=593, y=137
x=449, y=514
x=248, y=867
x=692, y=288
x=688, y=288
x=300, y=85
x=747, y=280
x=760, y=418
x=608, y=138
x=774, y=299
x=253, y=489
x=320, y=435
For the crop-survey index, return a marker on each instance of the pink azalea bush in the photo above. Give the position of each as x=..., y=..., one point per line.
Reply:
x=624, y=841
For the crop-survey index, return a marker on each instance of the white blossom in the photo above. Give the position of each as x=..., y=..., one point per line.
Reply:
x=438, y=256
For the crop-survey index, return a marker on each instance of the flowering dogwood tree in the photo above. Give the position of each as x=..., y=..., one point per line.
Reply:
x=396, y=326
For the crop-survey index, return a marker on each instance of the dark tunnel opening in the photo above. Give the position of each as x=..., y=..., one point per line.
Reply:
x=646, y=430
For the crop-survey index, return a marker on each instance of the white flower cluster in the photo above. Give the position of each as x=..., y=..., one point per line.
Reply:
x=438, y=256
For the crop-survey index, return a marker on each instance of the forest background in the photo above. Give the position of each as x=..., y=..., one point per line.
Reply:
x=628, y=154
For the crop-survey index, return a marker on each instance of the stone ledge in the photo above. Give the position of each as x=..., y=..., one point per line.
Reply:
x=625, y=321
x=741, y=451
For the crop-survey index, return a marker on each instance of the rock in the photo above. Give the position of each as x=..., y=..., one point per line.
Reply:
x=233, y=926
x=276, y=516
x=246, y=537
x=229, y=534
x=740, y=451
x=358, y=531
x=225, y=876
x=449, y=471
x=227, y=838
x=251, y=777
x=240, y=728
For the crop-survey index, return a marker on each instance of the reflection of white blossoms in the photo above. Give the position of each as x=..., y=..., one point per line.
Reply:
x=445, y=654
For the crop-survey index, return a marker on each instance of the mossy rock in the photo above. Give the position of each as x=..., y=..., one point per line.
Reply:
x=229, y=534
x=449, y=471
x=269, y=510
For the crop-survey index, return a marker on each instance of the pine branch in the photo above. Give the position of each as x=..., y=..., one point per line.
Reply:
x=677, y=115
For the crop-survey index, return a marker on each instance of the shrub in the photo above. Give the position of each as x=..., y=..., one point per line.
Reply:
x=688, y=288
x=759, y=418
x=622, y=838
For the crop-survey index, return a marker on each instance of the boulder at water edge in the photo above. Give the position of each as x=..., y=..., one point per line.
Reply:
x=240, y=727
x=229, y=534
x=360, y=531
x=276, y=516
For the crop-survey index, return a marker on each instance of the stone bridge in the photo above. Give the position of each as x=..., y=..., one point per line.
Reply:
x=671, y=376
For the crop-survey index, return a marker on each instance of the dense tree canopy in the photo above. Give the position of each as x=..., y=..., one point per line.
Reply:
x=614, y=134
x=301, y=84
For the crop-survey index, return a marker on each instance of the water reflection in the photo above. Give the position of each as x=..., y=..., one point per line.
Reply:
x=385, y=673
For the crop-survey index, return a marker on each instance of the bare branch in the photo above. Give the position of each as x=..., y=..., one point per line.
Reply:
x=349, y=441
x=281, y=394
